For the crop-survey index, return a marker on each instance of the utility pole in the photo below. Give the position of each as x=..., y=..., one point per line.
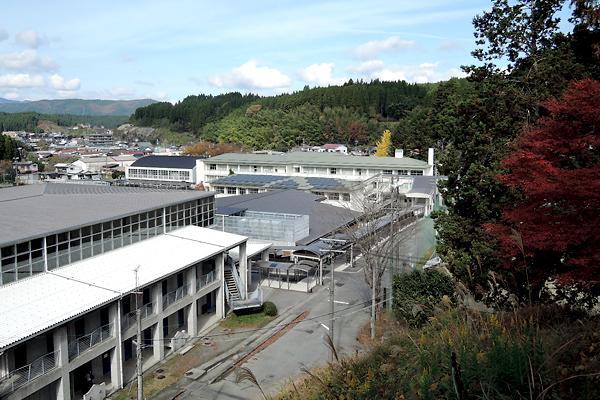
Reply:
x=138, y=314
x=331, y=307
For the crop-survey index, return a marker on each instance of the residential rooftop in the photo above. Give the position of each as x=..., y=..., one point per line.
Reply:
x=33, y=211
x=318, y=159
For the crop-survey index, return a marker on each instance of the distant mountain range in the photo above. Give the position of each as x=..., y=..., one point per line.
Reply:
x=75, y=106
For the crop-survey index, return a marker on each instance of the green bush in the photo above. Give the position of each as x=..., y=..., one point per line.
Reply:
x=270, y=309
x=417, y=293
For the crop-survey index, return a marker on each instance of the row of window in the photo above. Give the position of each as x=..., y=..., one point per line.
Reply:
x=334, y=195
x=317, y=170
x=159, y=174
x=234, y=190
x=27, y=258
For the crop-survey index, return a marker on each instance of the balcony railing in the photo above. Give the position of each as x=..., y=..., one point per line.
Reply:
x=205, y=280
x=22, y=376
x=90, y=340
x=129, y=319
x=175, y=295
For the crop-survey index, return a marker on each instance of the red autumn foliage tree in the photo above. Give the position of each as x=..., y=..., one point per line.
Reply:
x=555, y=229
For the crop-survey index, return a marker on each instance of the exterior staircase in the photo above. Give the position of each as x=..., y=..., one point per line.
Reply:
x=232, y=287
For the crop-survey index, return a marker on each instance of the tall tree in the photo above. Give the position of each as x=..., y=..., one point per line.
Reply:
x=384, y=145
x=556, y=167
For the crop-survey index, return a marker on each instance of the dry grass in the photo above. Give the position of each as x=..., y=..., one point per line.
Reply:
x=534, y=353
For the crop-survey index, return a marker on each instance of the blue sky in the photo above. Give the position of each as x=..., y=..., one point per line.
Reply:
x=167, y=50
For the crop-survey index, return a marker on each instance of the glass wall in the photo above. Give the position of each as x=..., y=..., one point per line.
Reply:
x=24, y=259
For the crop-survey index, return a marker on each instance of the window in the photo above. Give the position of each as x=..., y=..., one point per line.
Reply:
x=387, y=171
x=230, y=190
x=297, y=170
x=416, y=172
x=333, y=171
x=252, y=190
x=212, y=167
x=318, y=193
x=346, y=196
x=359, y=171
x=219, y=189
x=255, y=168
x=333, y=196
x=402, y=172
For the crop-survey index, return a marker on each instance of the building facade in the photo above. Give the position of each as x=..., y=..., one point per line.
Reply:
x=73, y=281
x=153, y=170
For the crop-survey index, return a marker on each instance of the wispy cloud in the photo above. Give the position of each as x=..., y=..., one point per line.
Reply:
x=251, y=76
x=420, y=73
x=375, y=47
x=30, y=39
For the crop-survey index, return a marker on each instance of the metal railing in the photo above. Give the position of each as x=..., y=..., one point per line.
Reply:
x=129, y=319
x=175, y=295
x=89, y=340
x=205, y=280
x=22, y=376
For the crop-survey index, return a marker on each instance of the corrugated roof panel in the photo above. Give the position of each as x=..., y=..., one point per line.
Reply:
x=46, y=300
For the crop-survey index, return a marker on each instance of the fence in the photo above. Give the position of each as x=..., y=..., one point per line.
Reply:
x=129, y=319
x=21, y=376
x=89, y=340
x=205, y=280
x=175, y=295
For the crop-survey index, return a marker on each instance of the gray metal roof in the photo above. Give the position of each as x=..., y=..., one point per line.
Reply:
x=318, y=160
x=425, y=184
x=33, y=211
x=323, y=218
x=287, y=182
x=175, y=162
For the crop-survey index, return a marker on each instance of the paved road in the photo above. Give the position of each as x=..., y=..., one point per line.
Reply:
x=302, y=346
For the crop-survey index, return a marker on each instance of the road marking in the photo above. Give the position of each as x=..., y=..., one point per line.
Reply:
x=341, y=302
x=324, y=326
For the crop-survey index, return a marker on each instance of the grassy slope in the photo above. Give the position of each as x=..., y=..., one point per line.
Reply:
x=534, y=353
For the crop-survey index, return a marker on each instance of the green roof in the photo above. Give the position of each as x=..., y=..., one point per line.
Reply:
x=318, y=160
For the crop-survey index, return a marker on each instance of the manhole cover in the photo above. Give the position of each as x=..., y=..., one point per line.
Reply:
x=339, y=284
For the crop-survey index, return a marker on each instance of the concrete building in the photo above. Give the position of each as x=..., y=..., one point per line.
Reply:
x=92, y=256
x=311, y=164
x=163, y=170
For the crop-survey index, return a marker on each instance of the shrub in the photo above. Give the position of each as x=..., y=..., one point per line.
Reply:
x=270, y=309
x=418, y=292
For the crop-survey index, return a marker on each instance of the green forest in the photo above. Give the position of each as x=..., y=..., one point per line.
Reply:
x=354, y=113
x=28, y=121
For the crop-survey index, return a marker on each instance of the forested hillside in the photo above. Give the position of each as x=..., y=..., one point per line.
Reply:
x=76, y=106
x=354, y=113
x=30, y=121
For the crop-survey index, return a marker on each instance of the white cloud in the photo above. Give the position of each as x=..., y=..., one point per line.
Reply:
x=374, y=47
x=320, y=74
x=61, y=84
x=30, y=39
x=11, y=95
x=21, y=81
x=367, y=67
x=422, y=73
x=3, y=34
x=251, y=76
x=27, y=59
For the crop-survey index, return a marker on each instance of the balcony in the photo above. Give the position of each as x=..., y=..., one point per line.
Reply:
x=176, y=295
x=22, y=376
x=87, y=341
x=205, y=280
x=129, y=319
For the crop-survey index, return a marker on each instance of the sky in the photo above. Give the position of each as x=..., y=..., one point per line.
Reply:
x=167, y=50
